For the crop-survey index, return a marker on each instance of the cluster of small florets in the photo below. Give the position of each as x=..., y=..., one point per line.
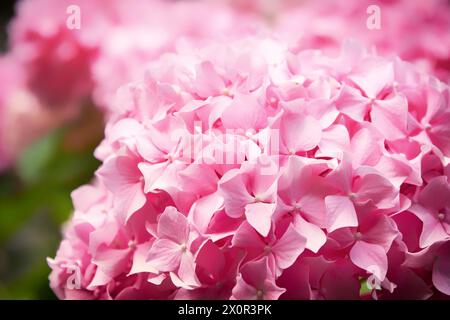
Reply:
x=247, y=170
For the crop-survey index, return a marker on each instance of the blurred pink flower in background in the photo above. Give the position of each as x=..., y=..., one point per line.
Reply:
x=155, y=28
x=22, y=115
x=414, y=30
x=66, y=65
x=56, y=58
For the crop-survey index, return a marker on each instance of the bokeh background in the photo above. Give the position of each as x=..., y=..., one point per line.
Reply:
x=35, y=195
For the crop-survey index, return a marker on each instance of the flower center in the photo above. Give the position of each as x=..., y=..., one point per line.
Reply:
x=170, y=158
x=183, y=247
x=227, y=92
x=272, y=100
x=259, y=294
x=132, y=244
x=358, y=235
x=258, y=198
x=441, y=216
x=267, y=249
x=296, y=207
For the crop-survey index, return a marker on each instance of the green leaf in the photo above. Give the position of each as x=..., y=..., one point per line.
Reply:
x=35, y=157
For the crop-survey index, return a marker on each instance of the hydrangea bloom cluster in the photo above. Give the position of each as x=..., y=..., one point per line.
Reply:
x=247, y=170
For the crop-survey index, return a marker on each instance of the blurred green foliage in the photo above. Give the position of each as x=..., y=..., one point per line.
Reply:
x=35, y=201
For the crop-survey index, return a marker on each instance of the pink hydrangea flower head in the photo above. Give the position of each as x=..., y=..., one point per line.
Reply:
x=19, y=109
x=247, y=169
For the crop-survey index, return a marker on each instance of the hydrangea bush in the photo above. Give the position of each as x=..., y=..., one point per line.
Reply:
x=251, y=170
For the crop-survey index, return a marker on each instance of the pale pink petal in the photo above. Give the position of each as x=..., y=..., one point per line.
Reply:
x=352, y=104
x=199, y=179
x=340, y=213
x=259, y=216
x=173, y=225
x=432, y=232
x=236, y=197
x=243, y=291
x=342, y=176
x=112, y=262
x=151, y=173
x=208, y=82
x=335, y=139
x=164, y=255
x=395, y=170
x=367, y=147
x=271, y=291
x=377, y=189
x=186, y=272
x=140, y=263
x=315, y=237
x=300, y=132
x=432, y=229
x=373, y=75
x=203, y=210
x=390, y=117
x=370, y=257
x=245, y=112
